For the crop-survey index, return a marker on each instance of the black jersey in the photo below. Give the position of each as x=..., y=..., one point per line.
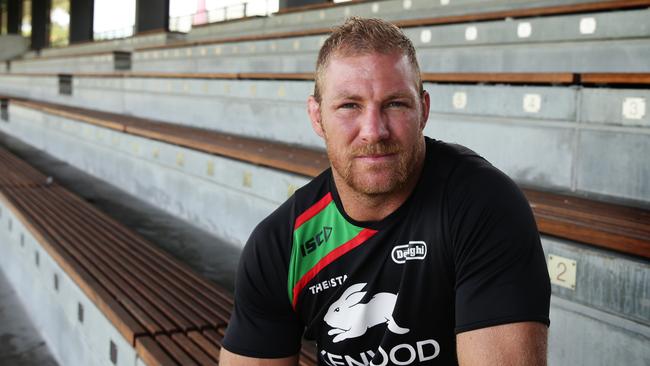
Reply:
x=462, y=253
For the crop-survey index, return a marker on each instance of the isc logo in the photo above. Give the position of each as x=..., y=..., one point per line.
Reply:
x=316, y=241
x=412, y=250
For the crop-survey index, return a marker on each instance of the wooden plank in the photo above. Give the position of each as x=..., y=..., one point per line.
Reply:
x=18, y=173
x=152, y=353
x=506, y=78
x=586, y=234
x=94, y=246
x=616, y=78
x=211, y=348
x=173, y=349
x=125, y=323
x=276, y=76
x=215, y=336
x=153, y=285
x=190, y=347
x=602, y=213
x=152, y=320
x=526, y=13
x=164, y=270
x=550, y=78
x=188, y=281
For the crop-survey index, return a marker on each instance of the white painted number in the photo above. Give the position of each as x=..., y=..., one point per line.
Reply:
x=634, y=108
x=524, y=30
x=587, y=25
x=471, y=33
x=459, y=100
x=532, y=103
x=425, y=36
x=562, y=271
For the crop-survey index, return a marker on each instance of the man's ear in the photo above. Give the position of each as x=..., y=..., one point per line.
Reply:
x=426, y=104
x=313, y=108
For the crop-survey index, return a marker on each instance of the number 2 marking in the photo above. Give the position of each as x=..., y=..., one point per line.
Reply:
x=563, y=271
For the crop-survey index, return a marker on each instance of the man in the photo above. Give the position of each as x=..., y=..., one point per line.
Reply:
x=407, y=251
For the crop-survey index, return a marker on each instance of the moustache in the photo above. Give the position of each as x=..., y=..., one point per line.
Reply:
x=379, y=148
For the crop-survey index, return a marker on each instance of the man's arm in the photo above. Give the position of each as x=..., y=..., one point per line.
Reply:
x=512, y=344
x=227, y=358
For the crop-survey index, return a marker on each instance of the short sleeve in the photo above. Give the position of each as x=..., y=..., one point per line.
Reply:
x=263, y=323
x=501, y=274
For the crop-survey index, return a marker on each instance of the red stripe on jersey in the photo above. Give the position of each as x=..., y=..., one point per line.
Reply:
x=363, y=235
x=313, y=210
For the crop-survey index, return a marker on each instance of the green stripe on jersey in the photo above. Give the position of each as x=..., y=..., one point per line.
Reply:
x=314, y=239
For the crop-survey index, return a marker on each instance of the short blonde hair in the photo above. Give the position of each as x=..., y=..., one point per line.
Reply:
x=359, y=36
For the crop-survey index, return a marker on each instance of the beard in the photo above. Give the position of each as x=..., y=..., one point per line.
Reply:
x=376, y=178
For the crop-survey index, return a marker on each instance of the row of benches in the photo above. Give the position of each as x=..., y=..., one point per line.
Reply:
x=161, y=307
x=607, y=225
x=510, y=118
x=210, y=56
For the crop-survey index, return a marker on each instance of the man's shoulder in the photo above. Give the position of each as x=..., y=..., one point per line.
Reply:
x=467, y=173
x=454, y=163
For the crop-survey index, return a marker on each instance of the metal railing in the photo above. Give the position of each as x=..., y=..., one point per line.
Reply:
x=185, y=23
x=114, y=33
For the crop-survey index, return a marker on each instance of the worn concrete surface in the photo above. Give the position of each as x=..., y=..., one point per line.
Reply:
x=20, y=342
x=206, y=254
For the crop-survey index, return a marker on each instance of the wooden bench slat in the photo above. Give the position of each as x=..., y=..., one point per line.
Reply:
x=79, y=231
x=152, y=353
x=96, y=247
x=211, y=348
x=215, y=336
x=182, y=357
x=147, y=257
x=506, y=78
x=158, y=295
x=195, y=351
x=576, y=231
x=152, y=320
x=123, y=320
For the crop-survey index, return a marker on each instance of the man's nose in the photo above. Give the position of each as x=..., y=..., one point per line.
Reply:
x=374, y=125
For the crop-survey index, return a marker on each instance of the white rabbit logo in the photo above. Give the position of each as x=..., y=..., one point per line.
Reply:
x=350, y=319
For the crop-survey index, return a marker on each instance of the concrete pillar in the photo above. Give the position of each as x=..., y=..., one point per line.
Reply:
x=151, y=15
x=14, y=15
x=293, y=3
x=81, y=20
x=40, y=24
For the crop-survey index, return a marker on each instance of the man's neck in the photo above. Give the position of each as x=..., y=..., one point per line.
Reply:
x=363, y=207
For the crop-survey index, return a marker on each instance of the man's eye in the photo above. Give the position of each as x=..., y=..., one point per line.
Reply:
x=396, y=104
x=348, y=105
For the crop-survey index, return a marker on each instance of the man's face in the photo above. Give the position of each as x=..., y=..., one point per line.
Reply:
x=371, y=116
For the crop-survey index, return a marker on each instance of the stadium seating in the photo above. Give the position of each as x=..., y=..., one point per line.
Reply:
x=543, y=89
x=545, y=135
x=164, y=312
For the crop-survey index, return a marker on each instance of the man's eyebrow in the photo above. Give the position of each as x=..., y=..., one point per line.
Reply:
x=352, y=96
x=347, y=96
x=399, y=95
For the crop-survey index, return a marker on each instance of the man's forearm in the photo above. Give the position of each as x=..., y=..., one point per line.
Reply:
x=516, y=344
x=227, y=358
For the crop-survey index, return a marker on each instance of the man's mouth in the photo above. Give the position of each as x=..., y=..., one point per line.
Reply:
x=376, y=157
